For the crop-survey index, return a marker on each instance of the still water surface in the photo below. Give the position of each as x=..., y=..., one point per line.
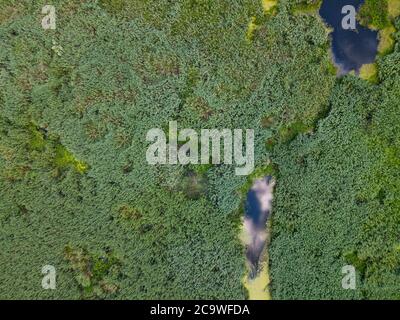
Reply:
x=350, y=48
x=258, y=209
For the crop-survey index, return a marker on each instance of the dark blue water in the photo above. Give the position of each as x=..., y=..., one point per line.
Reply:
x=258, y=204
x=351, y=48
x=254, y=211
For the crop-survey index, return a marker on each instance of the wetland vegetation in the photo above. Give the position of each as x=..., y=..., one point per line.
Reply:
x=77, y=193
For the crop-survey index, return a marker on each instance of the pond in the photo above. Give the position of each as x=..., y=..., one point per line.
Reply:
x=258, y=208
x=350, y=48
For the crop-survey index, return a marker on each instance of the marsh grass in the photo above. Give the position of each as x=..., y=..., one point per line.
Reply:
x=386, y=41
x=369, y=72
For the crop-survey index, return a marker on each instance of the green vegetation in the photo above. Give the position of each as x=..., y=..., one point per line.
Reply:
x=76, y=104
x=380, y=15
x=306, y=6
x=95, y=274
x=394, y=8
x=64, y=158
x=343, y=208
x=386, y=41
x=369, y=72
x=374, y=14
x=252, y=27
x=269, y=5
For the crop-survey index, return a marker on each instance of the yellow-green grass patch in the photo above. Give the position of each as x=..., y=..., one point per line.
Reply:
x=386, y=41
x=394, y=8
x=251, y=28
x=369, y=72
x=64, y=158
x=268, y=5
x=307, y=8
x=257, y=288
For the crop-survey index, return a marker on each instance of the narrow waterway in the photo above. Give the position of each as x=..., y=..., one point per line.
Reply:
x=350, y=48
x=255, y=237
